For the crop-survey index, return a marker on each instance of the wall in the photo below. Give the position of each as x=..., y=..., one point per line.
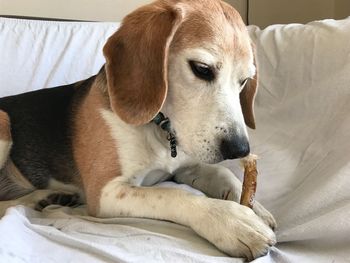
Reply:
x=240, y=5
x=93, y=10
x=342, y=8
x=266, y=12
x=262, y=12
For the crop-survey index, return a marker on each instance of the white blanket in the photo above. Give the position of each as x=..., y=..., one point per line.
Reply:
x=302, y=137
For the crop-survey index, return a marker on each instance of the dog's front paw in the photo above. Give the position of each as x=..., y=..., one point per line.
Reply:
x=235, y=229
x=265, y=215
x=261, y=211
x=231, y=190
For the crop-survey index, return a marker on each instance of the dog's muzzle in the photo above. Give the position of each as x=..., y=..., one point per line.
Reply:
x=234, y=148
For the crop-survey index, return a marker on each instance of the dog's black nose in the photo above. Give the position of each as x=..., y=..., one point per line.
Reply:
x=234, y=148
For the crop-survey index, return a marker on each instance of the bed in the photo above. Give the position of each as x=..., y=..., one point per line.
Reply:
x=302, y=137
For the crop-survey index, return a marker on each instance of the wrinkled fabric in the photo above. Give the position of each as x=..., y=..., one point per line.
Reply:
x=41, y=54
x=302, y=138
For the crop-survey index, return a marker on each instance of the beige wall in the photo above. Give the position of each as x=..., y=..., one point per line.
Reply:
x=262, y=12
x=342, y=8
x=266, y=12
x=94, y=10
x=240, y=5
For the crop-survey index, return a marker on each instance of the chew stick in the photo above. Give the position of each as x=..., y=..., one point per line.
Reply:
x=250, y=179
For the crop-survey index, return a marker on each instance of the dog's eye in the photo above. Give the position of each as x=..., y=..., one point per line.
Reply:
x=202, y=71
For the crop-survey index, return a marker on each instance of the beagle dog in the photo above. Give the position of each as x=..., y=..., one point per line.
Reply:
x=176, y=70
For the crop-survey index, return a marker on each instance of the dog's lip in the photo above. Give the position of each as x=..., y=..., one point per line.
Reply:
x=213, y=159
x=219, y=159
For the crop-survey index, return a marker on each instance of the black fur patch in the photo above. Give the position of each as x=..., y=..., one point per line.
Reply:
x=41, y=132
x=70, y=200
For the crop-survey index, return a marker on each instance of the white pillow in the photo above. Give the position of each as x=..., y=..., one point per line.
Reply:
x=303, y=127
x=41, y=54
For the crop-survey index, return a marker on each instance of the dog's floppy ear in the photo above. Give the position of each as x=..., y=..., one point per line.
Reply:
x=137, y=60
x=247, y=98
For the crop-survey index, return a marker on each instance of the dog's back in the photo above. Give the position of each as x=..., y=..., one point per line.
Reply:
x=41, y=137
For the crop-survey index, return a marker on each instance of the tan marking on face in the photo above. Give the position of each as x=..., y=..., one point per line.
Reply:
x=94, y=148
x=218, y=26
x=220, y=30
x=5, y=127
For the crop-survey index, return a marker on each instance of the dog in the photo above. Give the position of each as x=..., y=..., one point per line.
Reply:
x=172, y=101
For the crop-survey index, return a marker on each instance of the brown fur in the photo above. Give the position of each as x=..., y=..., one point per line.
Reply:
x=135, y=85
x=137, y=54
x=136, y=67
x=94, y=149
x=203, y=26
x=247, y=98
x=5, y=129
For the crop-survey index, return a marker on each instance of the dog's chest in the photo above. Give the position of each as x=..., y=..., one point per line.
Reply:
x=154, y=177
x=143, y=159
x=158, y=170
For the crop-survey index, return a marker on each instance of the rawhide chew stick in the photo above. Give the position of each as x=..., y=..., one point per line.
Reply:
x=250, y=180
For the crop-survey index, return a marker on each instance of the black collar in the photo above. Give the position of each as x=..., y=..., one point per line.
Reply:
x=164, y=123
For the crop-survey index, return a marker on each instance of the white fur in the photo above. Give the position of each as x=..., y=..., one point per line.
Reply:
x=148, y=152
x=202, y=114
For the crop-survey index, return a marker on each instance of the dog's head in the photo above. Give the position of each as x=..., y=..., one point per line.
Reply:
x=192, y=60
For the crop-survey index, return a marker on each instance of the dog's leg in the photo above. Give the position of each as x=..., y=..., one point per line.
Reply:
x=5, y=138
x=233, y=228
x=12, y=183
x=218, y=182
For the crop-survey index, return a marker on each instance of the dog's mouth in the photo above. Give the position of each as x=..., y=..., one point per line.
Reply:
x=221, y=150
x=209, y=154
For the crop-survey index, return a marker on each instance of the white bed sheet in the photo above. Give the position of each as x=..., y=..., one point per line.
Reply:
x=303, y=138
